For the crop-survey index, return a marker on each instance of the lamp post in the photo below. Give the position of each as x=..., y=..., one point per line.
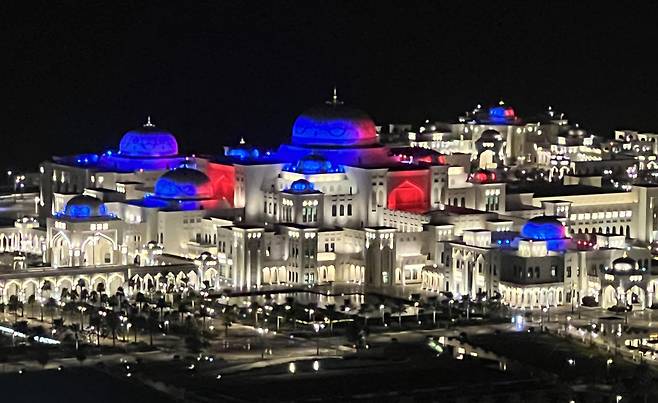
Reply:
x=82, y=309
x=317, y=327
x=381, y=309
x=101, y=314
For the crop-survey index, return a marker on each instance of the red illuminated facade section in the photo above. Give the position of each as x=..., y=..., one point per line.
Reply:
x=222, y=178
x=408, y=190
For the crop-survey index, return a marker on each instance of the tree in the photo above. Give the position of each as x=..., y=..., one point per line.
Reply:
x=80, y=356
x=193, y=343
x=227, y=319
x=113, y=323
x=432, y=305
x=290, y=308
x=73, y=295
x=152, y=324
x=182, y=309
x=141, y=299
x=161, y=305
x=255, y=306
x=65, y=293
x=14, y=305
x=42, y=356
x=52, y=306
x=399, y=307
x=331, y=313
x=366, y=310
x=97, y=322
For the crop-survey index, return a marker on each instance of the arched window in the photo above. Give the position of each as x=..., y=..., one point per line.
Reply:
x=349, y=209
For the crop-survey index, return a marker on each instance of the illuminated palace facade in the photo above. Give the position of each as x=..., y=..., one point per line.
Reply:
x=537, y=212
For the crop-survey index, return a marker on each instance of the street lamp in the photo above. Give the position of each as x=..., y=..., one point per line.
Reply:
x=317, y=327
x=82, y=309
x=381, y=309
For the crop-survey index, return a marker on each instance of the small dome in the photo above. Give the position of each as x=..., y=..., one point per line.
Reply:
x=301, y=186
x=543, y=228
x=83, y=206
x=184, y=183
x=502, y=113
x=490, y=135
x=623, y=264
x=334, y=124
x=148, y=141
x=483, y=176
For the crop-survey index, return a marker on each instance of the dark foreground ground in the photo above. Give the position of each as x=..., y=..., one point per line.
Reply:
x=74, y=385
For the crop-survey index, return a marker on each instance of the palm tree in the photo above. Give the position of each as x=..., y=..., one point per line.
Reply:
x=432, y=304
x=52, y=305
x=227, y=319
x=290, y=302
x=152, y=324
x=182, y=309
x=366, y=310
x=80, y=284
x=73, y=295
x=255, y=306
x=30, y=301
x=398, y=307
x=65, y=293
x=13, y=305
x=141, y=299
x=161, y=305
x=113, y=323
x=331, y=312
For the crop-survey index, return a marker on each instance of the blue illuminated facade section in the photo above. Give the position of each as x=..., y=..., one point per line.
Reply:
x=84, y=160
x=313, y=164
x=243, y=153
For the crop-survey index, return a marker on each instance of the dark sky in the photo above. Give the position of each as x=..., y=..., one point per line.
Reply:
x=75, y=76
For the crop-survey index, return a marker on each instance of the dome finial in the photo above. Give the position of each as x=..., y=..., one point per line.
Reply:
x=148, y=122
x=242, y=140
x=334, y=98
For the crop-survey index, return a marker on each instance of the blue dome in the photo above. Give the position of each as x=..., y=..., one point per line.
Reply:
x=148, y=141
x=84, y=206
x=301, y=186
x=184, y=183
x=543, y=228
x=334, y=125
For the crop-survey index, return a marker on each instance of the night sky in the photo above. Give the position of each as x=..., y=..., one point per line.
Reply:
x=75, y=76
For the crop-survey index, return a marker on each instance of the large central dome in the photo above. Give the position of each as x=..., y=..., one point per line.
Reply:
x=334, y=124
x=148, y=141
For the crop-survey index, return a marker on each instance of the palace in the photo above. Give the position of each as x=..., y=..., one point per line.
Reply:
x=538, y=212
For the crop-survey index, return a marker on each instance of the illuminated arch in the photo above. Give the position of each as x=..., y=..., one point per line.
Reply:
x=407, y=196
